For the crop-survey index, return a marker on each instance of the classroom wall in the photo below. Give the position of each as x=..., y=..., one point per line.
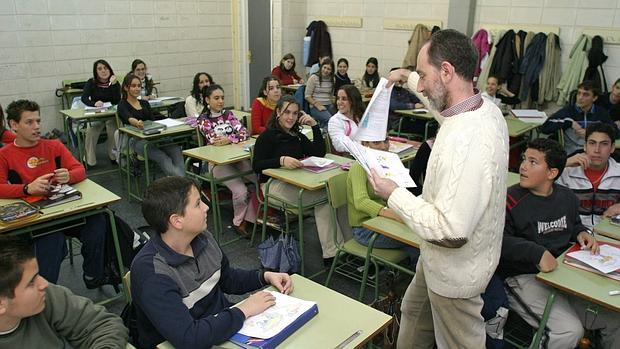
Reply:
x=571, y=16
x=358, y=44
x=45, y=41
x=289, y=27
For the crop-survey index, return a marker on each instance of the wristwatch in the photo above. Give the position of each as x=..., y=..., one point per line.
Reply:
x=26, y=189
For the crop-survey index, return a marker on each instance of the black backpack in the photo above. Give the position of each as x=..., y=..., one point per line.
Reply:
x=126, y=237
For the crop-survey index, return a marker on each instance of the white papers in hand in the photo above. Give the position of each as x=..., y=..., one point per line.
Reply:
x=388, y=165
x=373, y=126
x=316, y=161
x=168, y=122
x=606, y=261
x=273, y=320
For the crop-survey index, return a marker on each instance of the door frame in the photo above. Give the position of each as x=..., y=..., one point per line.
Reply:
x=246, y=94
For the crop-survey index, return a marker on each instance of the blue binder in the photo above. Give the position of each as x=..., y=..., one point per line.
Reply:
x=270, y=343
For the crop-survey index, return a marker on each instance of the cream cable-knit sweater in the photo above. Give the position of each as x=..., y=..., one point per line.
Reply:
x=464, y=197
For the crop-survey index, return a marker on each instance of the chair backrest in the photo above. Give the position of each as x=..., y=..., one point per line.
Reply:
x=127, y=283
x=200, y=137
x=337, y=190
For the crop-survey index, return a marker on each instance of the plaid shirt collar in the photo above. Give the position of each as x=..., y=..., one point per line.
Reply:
x=470, y=104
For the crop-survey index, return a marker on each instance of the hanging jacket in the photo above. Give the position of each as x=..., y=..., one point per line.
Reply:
x=420, y=35
x=573, y=74
x=481, y=84
x=532, y=63
x=482, y=41
x=596, y=58
x=505, y=57
x=320, y=42
x=550, y=74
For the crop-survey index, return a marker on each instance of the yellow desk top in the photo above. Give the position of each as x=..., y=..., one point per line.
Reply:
x=517, y=128
x=393, y=229
x=605, y=228
x=332, y=325
x=170, y=131
x=93, y=196
x=512, y=179
x=78, y=114
x=305, y=179
x=583, y=284
x=221, y=155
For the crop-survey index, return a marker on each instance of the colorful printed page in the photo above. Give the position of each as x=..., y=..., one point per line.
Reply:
x=607, y=261
x=273, y=320
x=387, y=164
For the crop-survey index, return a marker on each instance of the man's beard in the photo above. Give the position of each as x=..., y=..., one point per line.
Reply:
x=438, y=96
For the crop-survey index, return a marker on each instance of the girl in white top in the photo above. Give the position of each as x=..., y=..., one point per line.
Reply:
x=343, y=125
x=194, y=105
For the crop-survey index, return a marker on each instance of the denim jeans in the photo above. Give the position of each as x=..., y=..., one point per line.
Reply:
x=322, y=117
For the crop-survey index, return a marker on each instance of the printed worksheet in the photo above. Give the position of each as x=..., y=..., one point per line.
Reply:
x=273, y=320
x=606, y=261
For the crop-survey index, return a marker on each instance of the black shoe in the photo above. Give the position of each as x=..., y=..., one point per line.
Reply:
x=327, y=262
x=97, y=283
x=114, y=162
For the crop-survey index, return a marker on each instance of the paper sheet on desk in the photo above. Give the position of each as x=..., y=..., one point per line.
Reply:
x=168, y=122
x=387, y=164
x=104, y=106
x=373, y=126
x=316, y=161
x=606, y=261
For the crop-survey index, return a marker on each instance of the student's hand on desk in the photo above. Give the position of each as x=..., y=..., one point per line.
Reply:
x=98, y=104
x=281, y=281
x=580, y=159
x=588, y=241
x=221, y=140
x=257, y=303
x=61, y=176
x=612, y=210
x=382, y=186
x=547, y=262
x=41, y=185
x=291, y=163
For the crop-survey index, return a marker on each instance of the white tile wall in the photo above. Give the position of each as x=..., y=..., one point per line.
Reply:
x=45, y=41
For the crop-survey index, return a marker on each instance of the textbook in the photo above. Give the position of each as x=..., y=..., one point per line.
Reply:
x=317, y=165
x=60, y=194
x=606, y=263
x=271, y=327
x=16, y=211
x=398, y=147
x=530, y=115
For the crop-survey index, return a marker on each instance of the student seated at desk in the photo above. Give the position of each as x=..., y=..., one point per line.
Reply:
x=101, y=88
x=180, y=277
x=262, y=108
x=282, y=145
x=611, y=102
x=402, y=99
x=370, y=79
x=542, y=221
x=574, y=119
x=499, y=94
x=343, y=125
x=364, y=204
x=341, y=77
x=6, y=136
x=594, y=176
x=319, y=92
x=194, y=103
x=147, y=87
x=221, y=127
x=133, y=111
x=37, y=314
x=29, y=166
x=285, y=72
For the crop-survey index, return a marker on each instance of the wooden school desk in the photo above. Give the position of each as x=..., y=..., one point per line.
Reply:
x=304, y=180
x=607, y=229
x=95, y=199
x=425, y=116
x=338, y=319
x=173, y=134
x=218, y=155
x=589, y=286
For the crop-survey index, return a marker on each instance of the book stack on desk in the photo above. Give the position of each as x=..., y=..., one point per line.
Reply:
x=60, y=194
x=605, y=263
x=16, y=211
x=271, y=327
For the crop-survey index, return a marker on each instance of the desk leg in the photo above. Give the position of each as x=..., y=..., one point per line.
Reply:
x=300, y=224
x=543, y=321
x=117, y=249
x=217, y=218
x=147, y=171
x=371, y=243
x=80, y=144
x=265, y=209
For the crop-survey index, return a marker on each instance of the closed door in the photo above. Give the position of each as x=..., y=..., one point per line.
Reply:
x=259, y=42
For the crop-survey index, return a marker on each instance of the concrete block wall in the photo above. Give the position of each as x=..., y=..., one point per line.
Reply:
x=45, y=41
